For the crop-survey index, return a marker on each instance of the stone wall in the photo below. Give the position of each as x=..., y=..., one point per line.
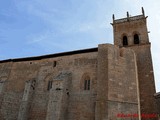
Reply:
x=142, y=51
x=117, y=85
x=123, y=92
x=25, y=92
x=54, y=88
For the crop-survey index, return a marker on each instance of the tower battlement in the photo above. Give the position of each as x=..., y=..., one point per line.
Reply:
x=129, y=18
x=133, y=18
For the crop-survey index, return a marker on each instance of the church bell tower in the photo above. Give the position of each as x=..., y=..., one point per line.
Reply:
x=131, y=32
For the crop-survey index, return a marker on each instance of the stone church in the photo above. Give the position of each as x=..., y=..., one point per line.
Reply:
x=100, y=83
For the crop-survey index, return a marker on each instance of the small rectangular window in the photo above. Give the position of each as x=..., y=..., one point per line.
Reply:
x=1, y=86
x=54, y=63
x=87, y=85
x=49, y=85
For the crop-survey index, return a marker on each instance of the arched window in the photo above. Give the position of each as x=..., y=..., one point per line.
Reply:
x=136, y=39
x=87, y=83
x=125, y=41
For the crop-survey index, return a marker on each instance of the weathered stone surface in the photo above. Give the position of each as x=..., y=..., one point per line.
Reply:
x=143, y=58
x=92, y=84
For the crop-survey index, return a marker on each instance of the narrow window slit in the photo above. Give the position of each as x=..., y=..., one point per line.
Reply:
x=49, y=85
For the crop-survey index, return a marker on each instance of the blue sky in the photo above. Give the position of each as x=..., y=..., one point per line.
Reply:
x=39, y=27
